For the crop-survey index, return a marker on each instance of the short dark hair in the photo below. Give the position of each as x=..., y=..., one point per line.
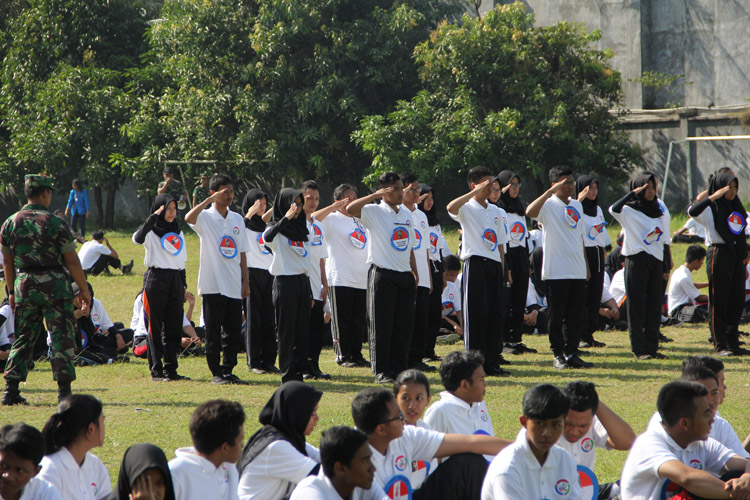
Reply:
x=545, y=401
x=370, y=408
x=78, y=184
x=97, y=235
x=339, y=444
x=219, y=180
x=713, y=364
x=35, y=192
x=676, y=401
x=559, y=171
x=698, y=373
x=24, y=440
x=338, y=193
x=457, y=366
x=388, y=179
x=408, y=178
x=452, y=263
x=582, y=396
x=411, y=376
x=309, y=185
x=476, y=174
x=214, y=423
x=694, y=252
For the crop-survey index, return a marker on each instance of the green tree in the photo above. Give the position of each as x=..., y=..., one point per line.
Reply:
x=499, y=92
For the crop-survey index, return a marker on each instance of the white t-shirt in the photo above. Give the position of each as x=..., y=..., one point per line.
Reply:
x=90, y=252
x=195, y=478
x=516, y=474
x=99, y=317
x=257, y=256
x=276, y=470
x=222, y=242
x=90, y=481
x=721, y=430
x=421, y=246
x=694, y=228
x=346, y=241
x=652, y=449
x=320, y=488
x=391, y=236
x=583, y=451
x=596, y=230
x=167, y=252
x=617, y=287
x=438, y=248
x=563, y=231
x=606, y=295
x=39, y=489
x=8, y=327
x=453, y=415
x=393, y=470
x=535, y=239
x=421, y=469
x=318, y=251
x=682, y=290
x=484, y=231
x=518, y=231
x=642, y=233
x=706, y=219
x=451, y=299
x=533, y=298
x=290, y=257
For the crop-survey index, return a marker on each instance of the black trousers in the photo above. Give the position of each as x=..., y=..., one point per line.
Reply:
x=223, y=318
x=348, y=316
x=434, y=308
x=76, y=220
x=726, y=296
x=419, y=332
x=317, y=328
x=565, y=315
x=260, y=324
x=101, y=264
x=390, y=308
x=163, y=299
x=483, y=308
x=458, y=478
x=291, y=298
x=517, y=260
x=644, y=282
x=594, y=286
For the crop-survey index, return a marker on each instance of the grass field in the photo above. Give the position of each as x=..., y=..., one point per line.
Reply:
x=138, y=410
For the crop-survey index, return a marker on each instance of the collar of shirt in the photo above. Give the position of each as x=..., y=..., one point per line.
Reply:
x=385, y=206
x=68, y=461
x=34, y=206
x=215, y=213
x=660, y=430
x=207, y=467
x=452, y=399
x=528, y=456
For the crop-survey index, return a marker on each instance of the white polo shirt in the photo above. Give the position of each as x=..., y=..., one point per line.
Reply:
x=99, y=317
x=39, y=489
x=391, y=236
x=90, y=252
x=583, y=451
x=453, y=415
x=596, y=230
x=606, y=295
x=258, y=256
x=222, y=242
x=290, y=257
x=318, y=250
x=166, y=252
x=451, y=299
x=276, y=470
x=515, y=474
x=8, y=327
x=563, y=231
x=640, y=475
x=518, y=230
x=484, y=232
x=346, y=241
x=89, y=481
x=643, y=233
x=721, y=430
x=195, y=478
x=438, y=248
x=617, y=287
x=320, y=488
x=421, y=469
x=682, y=290
x=421, y=246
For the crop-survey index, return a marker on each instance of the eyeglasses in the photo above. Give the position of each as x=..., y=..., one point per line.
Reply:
x=411, y=190
x=399, y=417
x=515, y=185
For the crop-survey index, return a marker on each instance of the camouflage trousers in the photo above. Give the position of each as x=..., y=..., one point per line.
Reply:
x=31, y=310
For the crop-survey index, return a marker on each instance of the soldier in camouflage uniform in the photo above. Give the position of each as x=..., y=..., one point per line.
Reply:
x=201, y=191
x=172, y=186
x=37, y=246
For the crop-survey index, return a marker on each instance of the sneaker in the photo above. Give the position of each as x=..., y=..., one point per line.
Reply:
x=502, y=361
x=599, y=344
x=658, y=355
x=423, y=367
x=497, y=372
x=644, y=357
x=432, y=358
x=234, y=379
x=575, y=362
x=259, y=371
x=560, y=363
x=664, y=339
x=127, y=267
x=383, y=378
x=583, y=344
x=219, y=380
x=448, y=339
x=510, y=349
x=159, y=379
x=362, y=362
x=524, y=348
x=740, y=351
x=316, y=374
x=351, y=364
x=174, y=377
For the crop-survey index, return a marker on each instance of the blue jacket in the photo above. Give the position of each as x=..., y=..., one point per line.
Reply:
x=78, y=202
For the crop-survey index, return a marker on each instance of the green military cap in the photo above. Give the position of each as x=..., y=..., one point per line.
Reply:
x=38, y=180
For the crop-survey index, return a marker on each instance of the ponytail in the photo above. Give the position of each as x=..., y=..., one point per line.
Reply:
x=74, y=414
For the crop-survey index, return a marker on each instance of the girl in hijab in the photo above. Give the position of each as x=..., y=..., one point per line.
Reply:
x=286, y=236
x=725, y=223
x=144, y=474
x=646, y=228
x=164, y=286
x=260, y=331
x=516, y=258
x=595, y=242
x=277, y=457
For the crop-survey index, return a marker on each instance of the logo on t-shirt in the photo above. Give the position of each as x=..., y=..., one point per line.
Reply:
x=317, y=236
x=172, y=243
x=358, y=238
x=433, y=242
x=572, y=216
x=400, y=239
x=236, y=230
x=448, y=308
x=299, y=247
x=490, y=239
x=95, y=319
x=653, y=236
x=517, y=231
x=588, y=482
x=400, y=462
x=418, y=235
x=262, y=244
x=418, y=465
x=423, y=224
x=398, y=488
x=483, y=415
x=596, y=230
x=228, y=247
x=562, y=487
x=696, y=464
x=587, y=444
x=736, y=222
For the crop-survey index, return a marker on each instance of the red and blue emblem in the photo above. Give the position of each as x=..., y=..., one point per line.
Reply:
x=400, y=239
x=172, y=243
x=736, y=222
x=572, y=216
x=653, y=236
x=490, y=239
x=358, y=238
x=228, y=247
x=588, y=482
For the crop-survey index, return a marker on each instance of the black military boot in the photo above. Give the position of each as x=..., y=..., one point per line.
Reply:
x=12, y=395
x=63, y=390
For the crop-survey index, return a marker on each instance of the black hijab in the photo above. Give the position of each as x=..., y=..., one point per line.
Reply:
x=163, y=227
x=296, y=229
x=722, y=209
x=649, y=208
x=284, y=417
x=589, y=206
x=510, y=205
x=254, y=223
x=432, y=218
x=137, y=460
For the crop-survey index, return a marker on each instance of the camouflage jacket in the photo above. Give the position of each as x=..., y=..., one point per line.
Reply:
x=175, y=189
x=36, y=238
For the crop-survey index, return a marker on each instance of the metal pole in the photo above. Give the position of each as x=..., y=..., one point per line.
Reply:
x=666, y=171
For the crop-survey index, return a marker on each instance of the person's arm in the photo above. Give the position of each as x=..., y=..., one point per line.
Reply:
x=698, y=208
x=619, y=204
x=696, y=481
x=192, y=216
x=114, y=252
x=746, y=443
x=245, y=276
x=86, y=202
x=76, y=272
x=10, y=278
x=164, y=186
x=272, y=231
x=455, y=205
x=267, y=216
x=324, y=281
x=333, y=207
x=620, y=435
x=253, y=210
x=190, y=299
x=355, y=208
x=532, y=211
x=140, y=235
x=414, y=270
x=614, y=310
x=453, y=444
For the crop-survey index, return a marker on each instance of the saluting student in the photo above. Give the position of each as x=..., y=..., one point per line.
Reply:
x=392, y=278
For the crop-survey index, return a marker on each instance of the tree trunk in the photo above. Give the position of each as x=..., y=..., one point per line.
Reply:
x=98, y=206
x=110, y=215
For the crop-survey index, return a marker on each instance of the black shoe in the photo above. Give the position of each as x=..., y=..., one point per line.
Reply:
x=658, y=355
x=524, y=348
x=664, y=339
x=219, y=380
x=159, y=378
x=234, y=379
x=174, y=377
x=362, y=362
x=583, y=344
x=575, y=362
x=13, y=399
x=383, y=378
x=560, y=363
x=510, y=349
x=502, y=361
x=423, y=367
x=271, y=369
x=63, y=391
x=740, y=351
x=432, y=358
x=259, y=371
x=314, y=373
x=599, y=344
x=350, y=364
x=127, y=267
x=497, y=372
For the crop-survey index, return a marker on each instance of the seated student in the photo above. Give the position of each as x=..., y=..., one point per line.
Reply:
x=394, y=447
x=7, y=332
x=277, y=457
x=692, y=232
x=347, y=469
x=589, y=425
x=76, y=429
x=451, y=319
x=192, y=337
x=98, y=255
x=21, y=450
x=618, y=292
x=535, y=317
x=609, y=311
x=680, y=450
x=685, y=303
x=91, y=348
x=144, y=474
x=533, y=467
x=206, y=470
x=108, y=332
x=614, y=260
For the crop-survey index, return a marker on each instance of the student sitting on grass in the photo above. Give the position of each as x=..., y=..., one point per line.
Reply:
x=452, y=311
x=533, y=467
x=684, y=302
x=144, y=475
x=347, y=469
x=21, y=450
x=206, y=470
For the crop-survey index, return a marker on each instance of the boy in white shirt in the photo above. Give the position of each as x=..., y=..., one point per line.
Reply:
x=206, y=470
x=684, y=301
x=451, y=300
x=533, y=467
x=97, y=256
x=222, y=276
x=21, y=451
